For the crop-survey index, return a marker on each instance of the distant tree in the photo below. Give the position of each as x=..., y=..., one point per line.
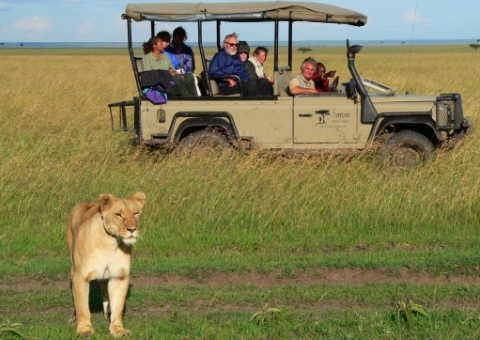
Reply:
x=1, y=44
x=21, y=45
x=304, y=49
x=474, y=46
x=403, y=42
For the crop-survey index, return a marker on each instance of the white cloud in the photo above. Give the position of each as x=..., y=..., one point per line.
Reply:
x=32, y=28
x=85, y=29
x=416, y=17
x=35, y=25
x=5, y=7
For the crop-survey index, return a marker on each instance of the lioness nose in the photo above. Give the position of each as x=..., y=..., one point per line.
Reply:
x=131, y=229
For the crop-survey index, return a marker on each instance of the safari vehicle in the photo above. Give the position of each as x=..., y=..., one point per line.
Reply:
x=409, y=127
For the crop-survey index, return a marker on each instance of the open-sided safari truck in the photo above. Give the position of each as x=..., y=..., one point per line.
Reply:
x=410, y=127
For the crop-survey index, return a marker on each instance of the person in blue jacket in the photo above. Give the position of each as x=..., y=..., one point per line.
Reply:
x=226, y=62
x=182, y=52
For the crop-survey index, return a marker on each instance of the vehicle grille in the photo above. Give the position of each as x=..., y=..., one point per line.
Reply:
x=449, y=111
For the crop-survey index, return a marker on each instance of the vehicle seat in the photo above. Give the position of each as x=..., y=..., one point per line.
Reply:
x=138, y=68
x=282, y=92
x=213, y=83
x=138, y=63
x=281, y=79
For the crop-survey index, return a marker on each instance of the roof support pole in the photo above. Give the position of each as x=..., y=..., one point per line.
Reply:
x=275, y=48
x=290, y=39
x=130, y=52
x=219, y=45
x=152, y=28
x=200, y=44
x=202, y=56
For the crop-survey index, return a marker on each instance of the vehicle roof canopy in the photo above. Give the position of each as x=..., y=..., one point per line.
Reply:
x=248, y=11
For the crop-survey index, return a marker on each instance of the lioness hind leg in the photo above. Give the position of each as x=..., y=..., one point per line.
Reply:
x=105, y=298
x=72, y=320
x=117, y=289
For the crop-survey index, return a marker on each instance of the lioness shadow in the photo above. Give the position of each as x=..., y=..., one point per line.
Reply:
x=95, y=301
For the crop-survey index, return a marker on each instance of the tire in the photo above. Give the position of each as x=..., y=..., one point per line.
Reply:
x=407, y=149
x=204, y=141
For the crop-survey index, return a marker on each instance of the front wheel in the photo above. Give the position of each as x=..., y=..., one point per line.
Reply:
x=204, y=141
x=407, y=149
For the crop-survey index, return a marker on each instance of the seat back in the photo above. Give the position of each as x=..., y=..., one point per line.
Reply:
x=213, y=83
x=138, y=63
x=281, y=79
x=138, y=68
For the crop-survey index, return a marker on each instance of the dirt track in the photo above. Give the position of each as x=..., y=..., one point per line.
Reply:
x=349, y=276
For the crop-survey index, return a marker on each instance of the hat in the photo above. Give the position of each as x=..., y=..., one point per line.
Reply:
x=243, y=47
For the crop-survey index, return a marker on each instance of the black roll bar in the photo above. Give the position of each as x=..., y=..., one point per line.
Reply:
x=290, y=39
x=132, y=57
x=275, y=47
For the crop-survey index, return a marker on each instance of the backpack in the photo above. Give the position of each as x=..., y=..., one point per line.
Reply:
x=163, y=78
x=156, y=94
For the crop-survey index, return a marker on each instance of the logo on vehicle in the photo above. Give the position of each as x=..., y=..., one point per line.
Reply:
x=322, y=113
x=341, y=117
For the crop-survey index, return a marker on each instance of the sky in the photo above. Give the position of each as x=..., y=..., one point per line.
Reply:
x=100, y=21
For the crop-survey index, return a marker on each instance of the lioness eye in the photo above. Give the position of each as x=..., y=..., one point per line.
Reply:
x=119, y=215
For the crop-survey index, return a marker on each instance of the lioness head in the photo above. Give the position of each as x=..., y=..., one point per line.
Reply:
x=121, y=216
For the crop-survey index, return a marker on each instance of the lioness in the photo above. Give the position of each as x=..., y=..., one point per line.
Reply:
x=100, y=236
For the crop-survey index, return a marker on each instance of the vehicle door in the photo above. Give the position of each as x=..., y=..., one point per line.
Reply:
x=331, y=120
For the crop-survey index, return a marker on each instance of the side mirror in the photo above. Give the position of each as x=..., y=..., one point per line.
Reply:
x=349, y=88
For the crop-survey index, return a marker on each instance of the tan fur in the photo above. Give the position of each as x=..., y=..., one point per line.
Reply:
x=100, y=236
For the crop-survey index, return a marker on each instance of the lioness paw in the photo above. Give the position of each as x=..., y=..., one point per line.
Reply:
x=86, y=330
x=119, y=331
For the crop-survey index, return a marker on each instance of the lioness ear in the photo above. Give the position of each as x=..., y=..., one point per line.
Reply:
x=140, y=197
x=105, y=201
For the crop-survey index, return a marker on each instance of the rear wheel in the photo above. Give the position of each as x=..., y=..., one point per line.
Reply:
x=407, y=149
x=204, y=141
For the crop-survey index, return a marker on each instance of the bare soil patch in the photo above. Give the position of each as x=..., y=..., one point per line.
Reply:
x=346, y=276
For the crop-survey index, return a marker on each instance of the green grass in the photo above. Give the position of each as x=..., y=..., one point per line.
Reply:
x=256, y=213
x=305, y=312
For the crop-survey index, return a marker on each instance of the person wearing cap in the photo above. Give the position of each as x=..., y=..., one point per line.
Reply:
x=226, y=62
x=243, y=51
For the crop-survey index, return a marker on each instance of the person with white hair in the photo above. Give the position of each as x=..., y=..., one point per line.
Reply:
x=226, y=62
x=302, y=83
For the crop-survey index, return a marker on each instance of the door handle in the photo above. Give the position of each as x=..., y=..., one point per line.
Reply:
x=304, y=114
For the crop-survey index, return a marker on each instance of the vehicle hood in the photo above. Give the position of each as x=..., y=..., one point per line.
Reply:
x=402, y=98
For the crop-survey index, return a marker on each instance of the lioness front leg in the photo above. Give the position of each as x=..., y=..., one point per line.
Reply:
x=117, y=290
x=80, y=290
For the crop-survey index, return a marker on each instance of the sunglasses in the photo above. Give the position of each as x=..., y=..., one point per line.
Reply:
x=231, y=44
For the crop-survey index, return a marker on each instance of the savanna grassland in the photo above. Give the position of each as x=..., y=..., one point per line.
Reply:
x=344, y=249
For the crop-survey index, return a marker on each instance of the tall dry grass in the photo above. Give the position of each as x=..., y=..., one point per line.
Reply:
x=58, y=149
